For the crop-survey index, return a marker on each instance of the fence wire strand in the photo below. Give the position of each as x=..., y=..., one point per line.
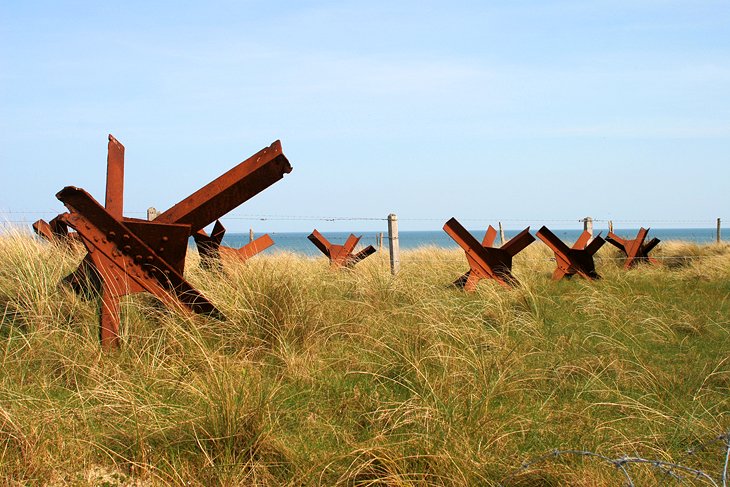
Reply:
x=623, y=463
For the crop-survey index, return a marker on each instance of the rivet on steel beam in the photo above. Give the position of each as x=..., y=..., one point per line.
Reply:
x=138, y=258
x=127, y=248
x=165, y=239
x=112, y=234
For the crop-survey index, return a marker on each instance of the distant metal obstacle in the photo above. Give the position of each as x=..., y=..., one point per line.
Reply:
x=211, y=250
x=486, y=261
x=209, y=245
x=635, y=250
x=340, y=255
x=577, y=259
x=128, y=255
x=55, y=230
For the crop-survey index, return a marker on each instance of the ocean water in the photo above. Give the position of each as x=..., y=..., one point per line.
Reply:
x=298, y=242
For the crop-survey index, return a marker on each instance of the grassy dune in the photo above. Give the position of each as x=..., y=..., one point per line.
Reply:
x=321, y=377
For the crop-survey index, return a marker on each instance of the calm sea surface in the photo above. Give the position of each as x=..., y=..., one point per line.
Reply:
x=297, y=241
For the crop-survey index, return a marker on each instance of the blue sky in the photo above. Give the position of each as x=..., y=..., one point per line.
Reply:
x=528, y=112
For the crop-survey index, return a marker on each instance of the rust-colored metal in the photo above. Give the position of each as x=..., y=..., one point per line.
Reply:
x=209, y=245
x=210, y=248
x=54, y=230
x=129, y=255
x=114, y=202
x=636, y=250
x=125, y=263
x=341, y=255
x=250, y=249
x=43, y=229
x=486, y=261
x=577, y=259
x=230, y=190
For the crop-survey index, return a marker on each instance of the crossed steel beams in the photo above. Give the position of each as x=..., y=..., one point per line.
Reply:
x=635, y=250
x=486, y=261
x=210, y=248
x=575, y=260
x=340, y=255
x=127, y=255
x=126, y=263
x=55, y=229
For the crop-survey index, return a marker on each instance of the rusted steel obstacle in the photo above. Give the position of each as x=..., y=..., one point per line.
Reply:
x=577, y=259
x=486, y=261
x=128, y=255
x=209, y=245
x=125, y=262
x=211, y=250
x=635, y=250
x=340, y=255
x=56, y=229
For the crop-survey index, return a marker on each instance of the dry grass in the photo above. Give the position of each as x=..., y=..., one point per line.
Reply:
x=357, y=378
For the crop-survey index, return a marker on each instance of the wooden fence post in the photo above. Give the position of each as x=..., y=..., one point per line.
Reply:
x=718, y=231
x=380, y=241
x=393, y=243
x=588, y=225
x=250, y=235
x=610, y=226
x=152, y=213
x=501, y=234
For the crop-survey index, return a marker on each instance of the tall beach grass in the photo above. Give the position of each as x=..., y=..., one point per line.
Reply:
x=356, y=377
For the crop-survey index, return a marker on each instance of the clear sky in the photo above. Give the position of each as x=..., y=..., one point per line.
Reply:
x=528, y=112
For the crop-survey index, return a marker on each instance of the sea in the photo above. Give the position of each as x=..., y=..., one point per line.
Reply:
x=298, y=242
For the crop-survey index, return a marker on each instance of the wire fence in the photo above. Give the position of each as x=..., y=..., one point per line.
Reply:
x=675, y=470
x=415, y=239
x=7, y=215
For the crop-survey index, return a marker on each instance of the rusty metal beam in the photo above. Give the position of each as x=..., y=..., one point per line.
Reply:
x=114, y=201
x=128, y=255
x=168, y=240
x=250, y=249
x=209, y=246
x=320, y=242
x=55, y=230
x=489, y=237
x=366, y=252
x=116, y=240
x=635, y=249
x=43, y=229
x=340, y=255
x=517, y=243
x=486, y=261
x=575, y=260
x=582, y=241
x=125, y=263
x=211, y=250
x=230, y=190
